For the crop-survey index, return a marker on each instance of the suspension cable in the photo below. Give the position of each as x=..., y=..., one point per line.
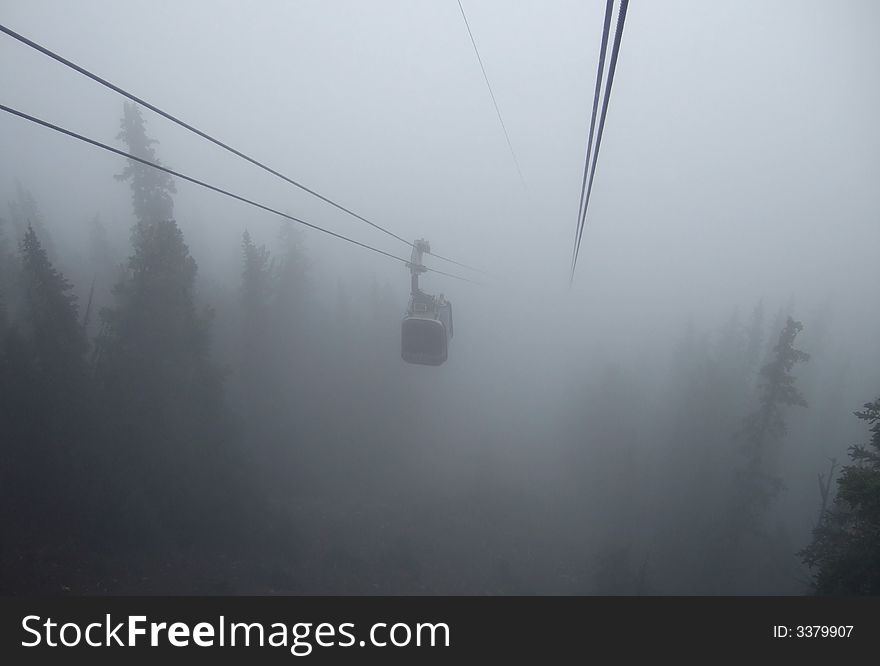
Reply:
x=615, y=50
x=214, y=188
x=204, y=135
x=609, y=6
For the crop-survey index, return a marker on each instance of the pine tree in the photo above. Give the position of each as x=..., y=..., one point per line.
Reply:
x=846, y=543
x=45, y=390
x=154, y=331
x=151, y=189
x=51, y=311
x=766, y=426
x=162, y=393
x=26, y=213
x=176, y=469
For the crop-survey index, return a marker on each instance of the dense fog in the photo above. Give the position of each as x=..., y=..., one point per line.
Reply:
x=218, y=403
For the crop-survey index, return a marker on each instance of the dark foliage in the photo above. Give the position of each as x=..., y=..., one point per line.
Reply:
x=845, y=549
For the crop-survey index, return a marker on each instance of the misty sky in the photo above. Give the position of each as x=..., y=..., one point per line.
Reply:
x=740, y=158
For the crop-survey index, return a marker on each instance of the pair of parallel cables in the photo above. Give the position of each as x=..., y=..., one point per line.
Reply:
x=208, y=137
x=593, y=151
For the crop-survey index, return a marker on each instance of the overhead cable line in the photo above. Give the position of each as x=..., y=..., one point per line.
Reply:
x=214, y=188
x=204, y=135
x=609, y=7
x=615, y=50
x=492, y=94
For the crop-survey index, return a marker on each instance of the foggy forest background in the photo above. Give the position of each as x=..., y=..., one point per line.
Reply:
x=163, y=433
x=198, y=397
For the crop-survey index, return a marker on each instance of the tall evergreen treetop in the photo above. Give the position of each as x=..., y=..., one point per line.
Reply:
x=151, y=189
x=161, y=392
x=766, y=426
x=58, y=337
x=153, y=331
x=26, y=213
x=777, y=388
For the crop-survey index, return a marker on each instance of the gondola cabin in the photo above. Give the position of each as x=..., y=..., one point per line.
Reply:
x=426, y=330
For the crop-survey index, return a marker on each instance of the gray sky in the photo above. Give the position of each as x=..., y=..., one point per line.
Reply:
x=740, y=158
